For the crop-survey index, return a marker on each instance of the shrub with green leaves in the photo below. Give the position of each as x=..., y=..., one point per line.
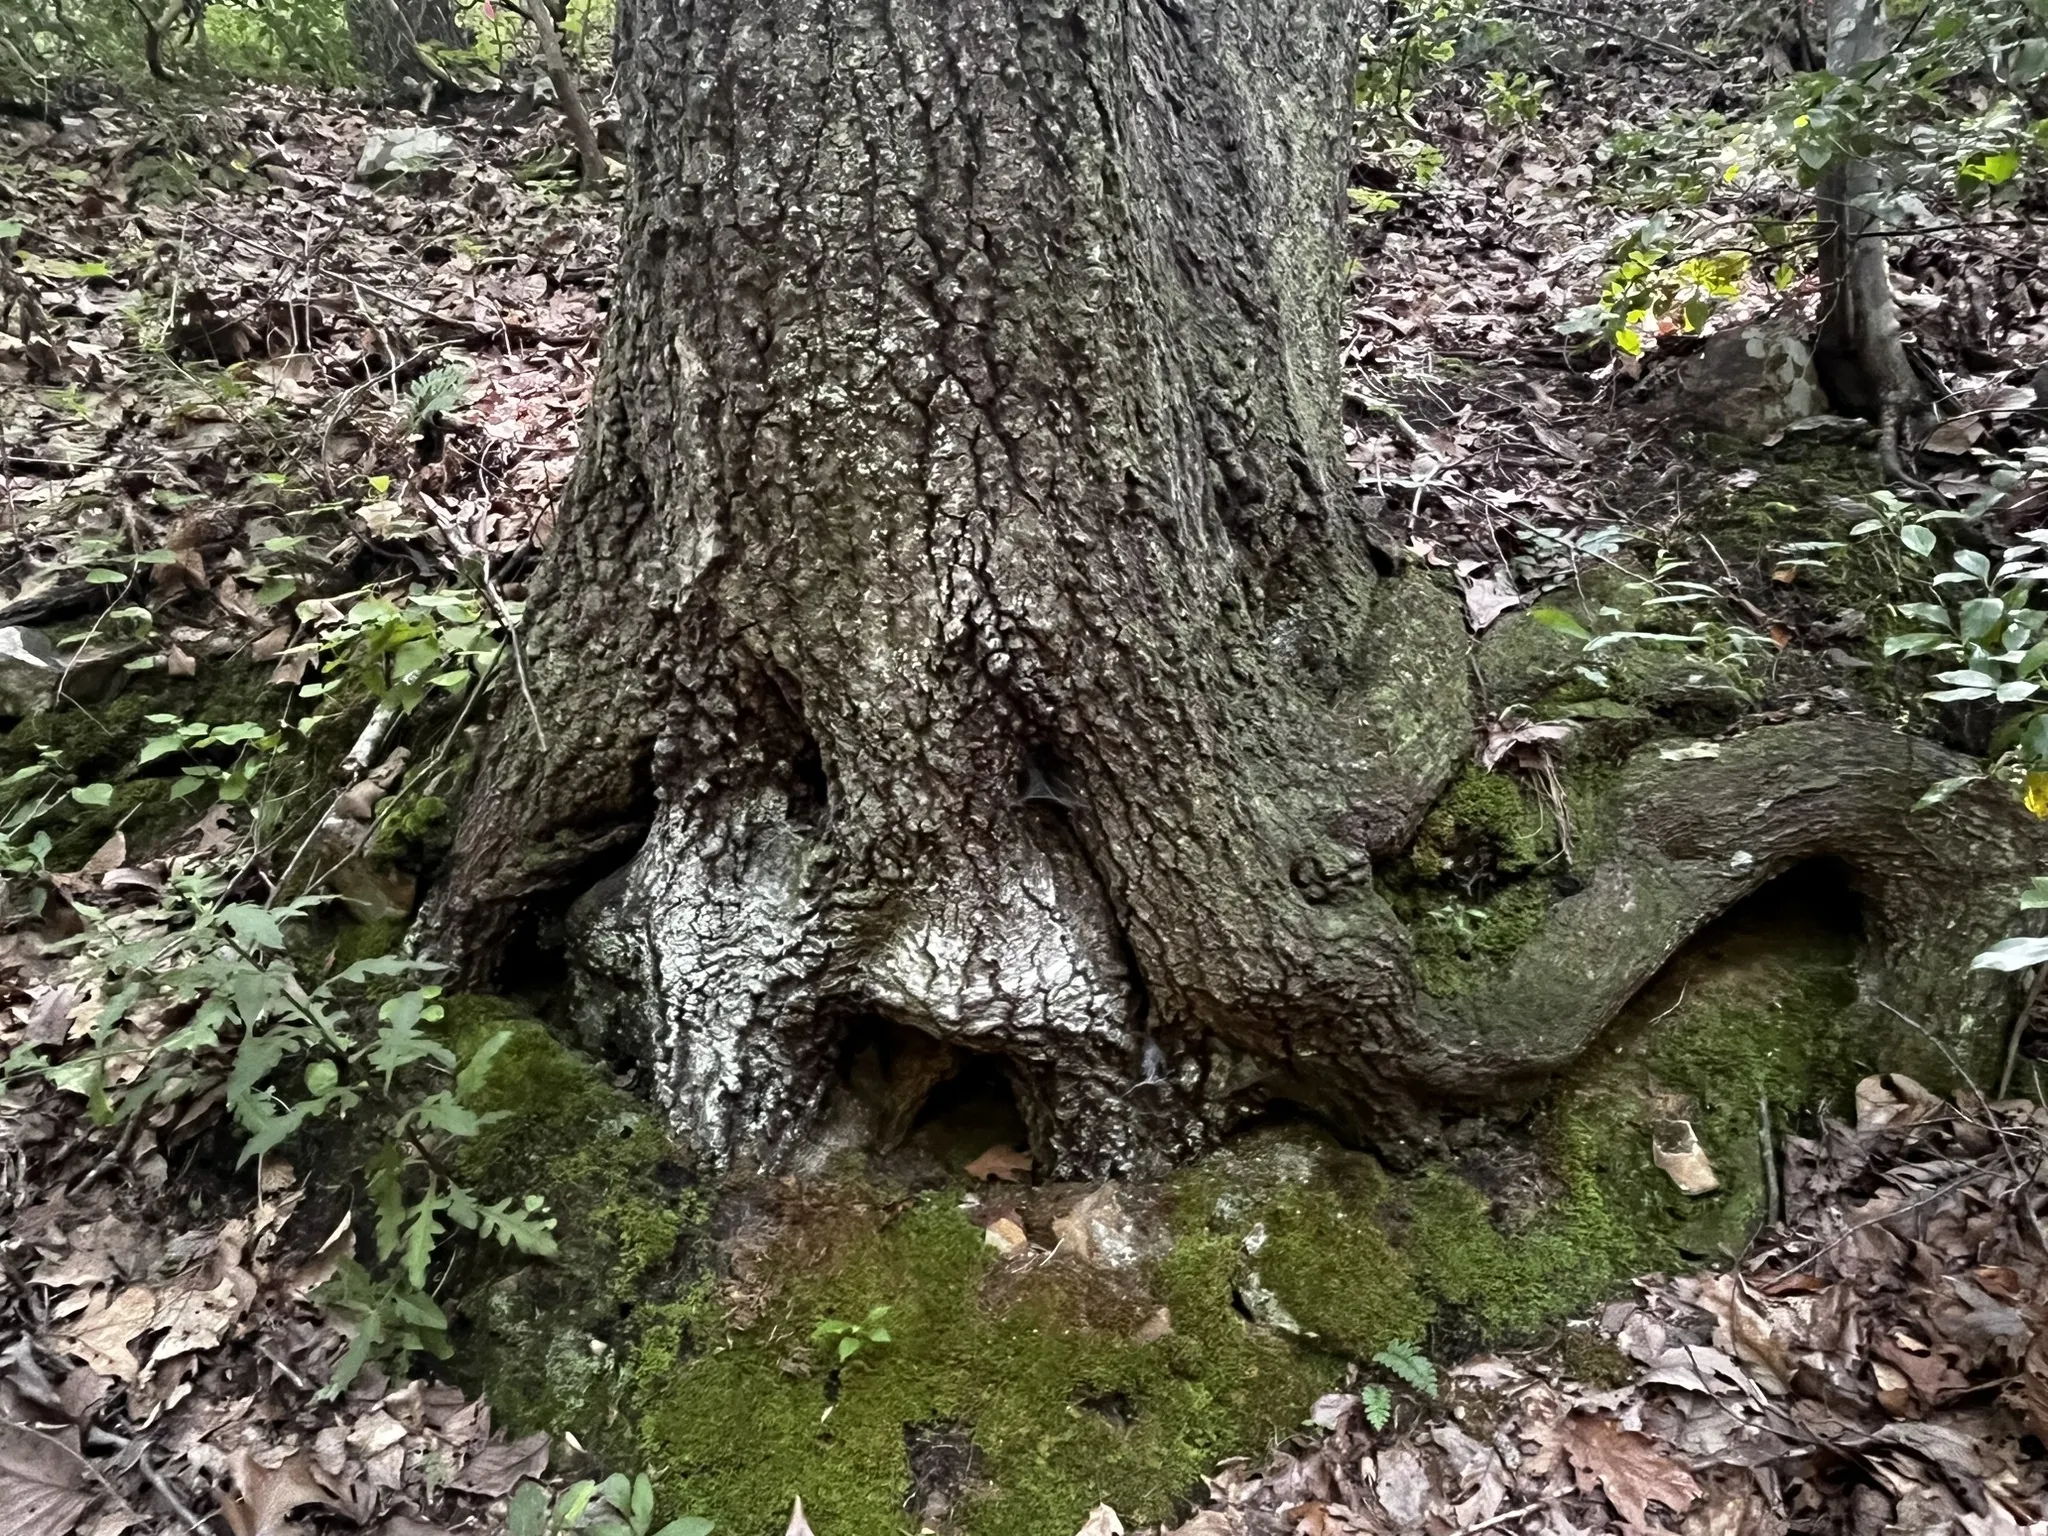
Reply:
x=200, y=996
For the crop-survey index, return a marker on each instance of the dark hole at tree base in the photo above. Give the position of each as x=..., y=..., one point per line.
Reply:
x=927, y=1106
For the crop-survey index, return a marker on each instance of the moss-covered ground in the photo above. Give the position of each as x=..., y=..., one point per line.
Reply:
x=676, y=1329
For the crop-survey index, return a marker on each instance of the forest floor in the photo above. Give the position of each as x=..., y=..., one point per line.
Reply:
x=236, y=375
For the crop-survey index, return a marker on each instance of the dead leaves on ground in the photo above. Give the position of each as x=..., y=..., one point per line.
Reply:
x=1878, y=1363
x=160, y=1350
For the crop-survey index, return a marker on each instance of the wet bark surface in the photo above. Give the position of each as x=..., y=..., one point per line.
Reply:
x=962, y=616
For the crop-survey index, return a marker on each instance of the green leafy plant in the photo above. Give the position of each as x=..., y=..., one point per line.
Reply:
x=1378, y=1403
x=1656, y=286
x=1511, y=102
x=190, y=740
x=853, y=1337
x=404, y=648
x=1410, y=1365
x=201, y=998
x=437, y=392
x=618, y=1506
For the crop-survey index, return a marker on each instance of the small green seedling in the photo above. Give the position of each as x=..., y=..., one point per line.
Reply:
x=853, y=1337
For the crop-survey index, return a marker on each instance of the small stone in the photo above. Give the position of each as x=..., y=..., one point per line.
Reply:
x=29, y=670
x=1097, y=1230
x=1005, y=1236
x=1266, y=1309
x=403, y=152
x=1155, y=1327
x=1750, y=382
x=1676, y=1149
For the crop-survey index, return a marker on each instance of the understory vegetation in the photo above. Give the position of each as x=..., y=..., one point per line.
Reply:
x=292, y=388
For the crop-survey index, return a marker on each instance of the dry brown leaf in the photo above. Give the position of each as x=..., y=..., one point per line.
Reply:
x=179, y=663
x=109, y=856
x=1627, y=1466
x=2034, y=1382
x=271, y=643
x=1001, y=1162
x=43, y=1490
x=1487, y=598
x=497, y=1469
x=198, y=1319
x=100, y=1335
x=1734, y=1506
x=266, y=1496
x=1745, y=1330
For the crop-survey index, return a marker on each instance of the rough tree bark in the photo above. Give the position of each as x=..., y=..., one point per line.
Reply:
x=1861, y=352
x=386, y=34
x=962, y=616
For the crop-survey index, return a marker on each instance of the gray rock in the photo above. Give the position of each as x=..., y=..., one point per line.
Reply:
x=404, y=152
x=1750, y=383
x=29, y=671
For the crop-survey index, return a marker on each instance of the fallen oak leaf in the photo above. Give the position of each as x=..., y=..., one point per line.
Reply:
x=1001, y=1162
x=496, y=1469
x=1627, y=1467
x=197, y=1319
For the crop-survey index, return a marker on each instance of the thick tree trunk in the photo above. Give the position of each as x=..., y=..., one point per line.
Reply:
x=962, y=618
x=1862, y=352
x=386, y=34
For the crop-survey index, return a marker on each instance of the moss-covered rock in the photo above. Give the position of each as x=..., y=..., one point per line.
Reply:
x=101, y=745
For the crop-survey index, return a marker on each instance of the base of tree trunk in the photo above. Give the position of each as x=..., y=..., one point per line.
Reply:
x=705, y=957
x=963, y=621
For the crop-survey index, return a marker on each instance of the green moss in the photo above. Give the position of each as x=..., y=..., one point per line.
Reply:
x=717, y=1389
x=1474, y=887
x=367, y=940
x=414, y=829
x=1761, y=1007
x=1482, y=814
x=1318, y=1245
x=552, y=1340
x=1587, y=1357
x=752, y=1421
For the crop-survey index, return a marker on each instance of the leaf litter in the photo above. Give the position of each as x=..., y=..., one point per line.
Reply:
x=1878, y=1362
x=247, y=340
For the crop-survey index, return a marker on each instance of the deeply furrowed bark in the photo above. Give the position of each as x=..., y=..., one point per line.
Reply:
x=385, y=34
x=962, y=606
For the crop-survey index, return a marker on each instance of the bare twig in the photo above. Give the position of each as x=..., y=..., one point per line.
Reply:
x=1676, y=50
